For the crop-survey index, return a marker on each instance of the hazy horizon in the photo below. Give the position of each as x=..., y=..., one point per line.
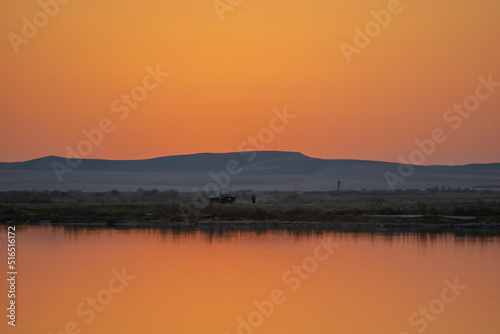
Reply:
x=269, y=170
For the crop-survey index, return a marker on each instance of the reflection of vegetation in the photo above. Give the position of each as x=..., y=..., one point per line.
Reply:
x=155, y=205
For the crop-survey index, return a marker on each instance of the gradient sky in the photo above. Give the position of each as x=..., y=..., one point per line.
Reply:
x=227, y=76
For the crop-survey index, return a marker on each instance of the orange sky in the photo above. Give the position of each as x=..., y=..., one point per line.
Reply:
x=226, y=76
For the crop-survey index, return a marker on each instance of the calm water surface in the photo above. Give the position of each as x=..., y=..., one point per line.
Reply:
x=173, y=281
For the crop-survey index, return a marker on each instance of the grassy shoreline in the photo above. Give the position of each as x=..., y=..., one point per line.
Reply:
x=284, y=209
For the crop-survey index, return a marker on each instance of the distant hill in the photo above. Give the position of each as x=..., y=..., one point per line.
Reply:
x=192, y=163
x=260, y=170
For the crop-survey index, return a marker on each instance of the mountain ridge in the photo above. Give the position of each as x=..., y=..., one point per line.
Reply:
x=260, y=170
x=45, y=163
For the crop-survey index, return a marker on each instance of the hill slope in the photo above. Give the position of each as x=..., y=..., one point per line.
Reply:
x=259, y=170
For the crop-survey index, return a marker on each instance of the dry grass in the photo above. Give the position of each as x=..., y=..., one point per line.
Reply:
x=166, y=206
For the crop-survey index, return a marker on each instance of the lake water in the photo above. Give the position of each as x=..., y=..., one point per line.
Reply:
x=80, y=280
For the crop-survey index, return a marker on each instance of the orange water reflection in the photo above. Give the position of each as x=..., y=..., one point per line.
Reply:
x=201, y=282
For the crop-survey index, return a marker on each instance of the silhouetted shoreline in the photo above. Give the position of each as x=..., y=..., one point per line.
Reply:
x=406, y=211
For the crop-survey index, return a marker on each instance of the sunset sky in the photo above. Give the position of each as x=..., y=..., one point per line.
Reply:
x=226, y=77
